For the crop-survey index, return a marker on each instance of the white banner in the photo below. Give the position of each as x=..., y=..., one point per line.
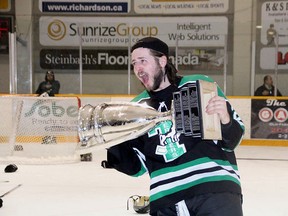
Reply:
x=180, y=7
x=111, y=32
x=274, y=21
x=268, y=58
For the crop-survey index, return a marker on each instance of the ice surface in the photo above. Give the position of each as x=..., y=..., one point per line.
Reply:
x=86, y=189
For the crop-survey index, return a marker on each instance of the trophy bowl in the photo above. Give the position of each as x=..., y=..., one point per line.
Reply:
x=115, y=122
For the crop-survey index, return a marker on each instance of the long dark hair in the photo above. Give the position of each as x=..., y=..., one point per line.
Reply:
x=51, y=73
x=170, y=69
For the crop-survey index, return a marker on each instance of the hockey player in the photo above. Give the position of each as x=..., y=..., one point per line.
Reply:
x=189, y=176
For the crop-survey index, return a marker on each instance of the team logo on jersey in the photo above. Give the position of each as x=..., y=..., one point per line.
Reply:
x=169, y=147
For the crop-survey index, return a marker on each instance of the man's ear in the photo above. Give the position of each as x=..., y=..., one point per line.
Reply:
x=163, y=61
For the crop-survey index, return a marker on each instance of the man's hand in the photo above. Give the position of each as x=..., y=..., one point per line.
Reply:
x=218, y=105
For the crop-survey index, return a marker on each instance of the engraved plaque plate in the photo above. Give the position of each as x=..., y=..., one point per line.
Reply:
x=178, y=111
x=186, y=114
x=195, y=116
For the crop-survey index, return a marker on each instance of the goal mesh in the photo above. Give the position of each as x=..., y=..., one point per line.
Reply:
x=39, y=130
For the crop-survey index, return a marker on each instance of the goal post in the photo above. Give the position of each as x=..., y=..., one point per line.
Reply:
x=39, y=130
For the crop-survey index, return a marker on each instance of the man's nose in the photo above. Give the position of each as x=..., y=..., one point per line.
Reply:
x=137, y=66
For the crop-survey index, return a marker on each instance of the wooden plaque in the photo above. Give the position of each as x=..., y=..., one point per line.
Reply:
x=211, y=126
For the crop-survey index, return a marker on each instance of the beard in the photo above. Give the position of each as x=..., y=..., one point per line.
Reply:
x=158, y=79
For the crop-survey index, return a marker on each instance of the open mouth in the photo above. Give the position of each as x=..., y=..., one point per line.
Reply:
x=143, y=77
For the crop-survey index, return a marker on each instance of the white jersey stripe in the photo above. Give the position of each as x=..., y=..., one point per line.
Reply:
x=193, y=178
x=190, y=169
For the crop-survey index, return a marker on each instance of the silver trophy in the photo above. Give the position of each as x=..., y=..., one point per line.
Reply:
x=108, y=124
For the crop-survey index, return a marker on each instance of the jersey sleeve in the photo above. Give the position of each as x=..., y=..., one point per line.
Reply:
x=127, y=158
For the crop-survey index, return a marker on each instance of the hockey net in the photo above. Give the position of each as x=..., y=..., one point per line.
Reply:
x=39, y=130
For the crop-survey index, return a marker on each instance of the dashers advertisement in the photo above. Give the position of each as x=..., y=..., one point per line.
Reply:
x=269, y=119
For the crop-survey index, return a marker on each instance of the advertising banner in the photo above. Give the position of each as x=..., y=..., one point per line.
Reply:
x=268, y=58
x=85, y=6
x=180, y=7
x=100, y=60
x=274, y=18
x=121, y=31
x=269, y=119
x=274, y=35
x=42, y=116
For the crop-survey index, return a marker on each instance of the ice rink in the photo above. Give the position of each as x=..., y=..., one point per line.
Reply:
x=86, y=189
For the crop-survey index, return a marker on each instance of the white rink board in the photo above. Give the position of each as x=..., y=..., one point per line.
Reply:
x=38, y=128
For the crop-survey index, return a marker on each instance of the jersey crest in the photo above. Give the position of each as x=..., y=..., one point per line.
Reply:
x=169, y=147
